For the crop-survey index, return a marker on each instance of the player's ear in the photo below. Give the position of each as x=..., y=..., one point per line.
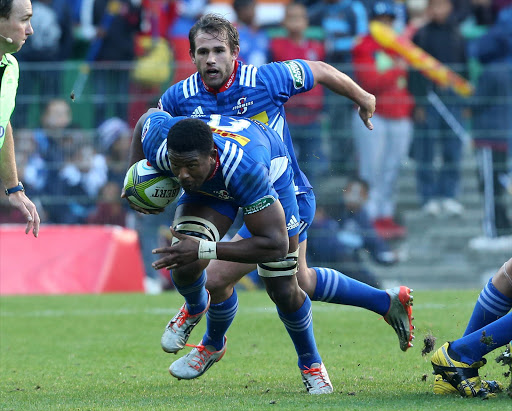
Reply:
x=236, y=52
x=191, y=54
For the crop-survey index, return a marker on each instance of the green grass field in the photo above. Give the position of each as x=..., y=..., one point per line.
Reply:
x=94, y=352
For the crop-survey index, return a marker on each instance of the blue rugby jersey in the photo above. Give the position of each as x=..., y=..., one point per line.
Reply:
x=253, y=161
x=256, y=93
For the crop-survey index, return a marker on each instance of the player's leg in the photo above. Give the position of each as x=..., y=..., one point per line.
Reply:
x=458, y=362
x=222, y=277
x=294, y=309
x=202, y=221
x=494, y=301
x=329, y=285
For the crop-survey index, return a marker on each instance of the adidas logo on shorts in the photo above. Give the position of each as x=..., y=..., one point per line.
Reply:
x=292, y=223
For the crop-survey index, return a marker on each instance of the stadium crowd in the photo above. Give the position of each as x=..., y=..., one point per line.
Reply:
x=94, y=66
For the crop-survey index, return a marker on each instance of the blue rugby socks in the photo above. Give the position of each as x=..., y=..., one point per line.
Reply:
x=218, y=319
x=335, y=287
x=474, y=346
x=490, y=306
x=195, y=294
x=300, y=328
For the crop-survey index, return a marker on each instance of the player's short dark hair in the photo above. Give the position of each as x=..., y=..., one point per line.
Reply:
x=217, y=26
x=190, y=134
x=5, y=8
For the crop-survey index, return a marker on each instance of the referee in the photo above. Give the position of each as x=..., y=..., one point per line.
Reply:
x=15, y=28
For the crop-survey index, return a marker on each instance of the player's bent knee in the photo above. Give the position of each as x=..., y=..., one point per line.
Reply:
x=217, y=285
x=307, y=278
x=285, y=267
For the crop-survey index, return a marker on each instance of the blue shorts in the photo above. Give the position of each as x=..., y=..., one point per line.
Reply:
x=229, y=209
x=307, y=209
x=226, y=208
x=307, y=206
x=291, y=211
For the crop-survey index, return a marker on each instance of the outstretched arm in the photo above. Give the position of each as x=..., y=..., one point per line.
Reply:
x=341, y=84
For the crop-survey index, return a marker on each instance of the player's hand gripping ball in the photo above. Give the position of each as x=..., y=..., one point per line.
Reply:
x=147, y=188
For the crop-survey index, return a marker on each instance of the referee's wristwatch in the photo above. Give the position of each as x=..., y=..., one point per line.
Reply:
x=19, y=187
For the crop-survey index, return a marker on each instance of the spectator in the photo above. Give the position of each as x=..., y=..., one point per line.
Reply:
x=116, y=22
x=188, y=12
x=53, y=142
x=254, y=42
x=416, y=13
x=492, y=125
x=67, y=166
x=77, y=185
x=152, y=50
x=32, y=166
x=109, y=207
x=115, y=137
x=342, y=22
x=380, y=152
x=304, y=113
x=42, y=77
x=438, y=187
x=343, y=240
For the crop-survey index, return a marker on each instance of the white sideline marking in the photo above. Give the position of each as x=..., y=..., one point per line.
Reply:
x=171, y=311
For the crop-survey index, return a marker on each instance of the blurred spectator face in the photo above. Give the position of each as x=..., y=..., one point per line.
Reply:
x=121, y=147
x=213, y=58
x=296, y=19
x=83, y=158
x=439, y=10
x=245, y=11
x=110, y=193
x=416, y=8
x=57, y=115
x=355, y=196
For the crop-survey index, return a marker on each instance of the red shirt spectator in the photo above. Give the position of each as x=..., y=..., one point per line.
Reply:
x=380, y=72
x=305, y=108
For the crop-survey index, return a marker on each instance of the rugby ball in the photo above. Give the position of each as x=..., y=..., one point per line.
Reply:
x=147, y=188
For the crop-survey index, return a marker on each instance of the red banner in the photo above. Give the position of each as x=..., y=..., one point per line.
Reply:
x=420, y=59
x=70, y=260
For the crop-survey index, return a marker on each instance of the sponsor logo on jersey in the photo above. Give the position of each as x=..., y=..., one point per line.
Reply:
x=241, y=105
x=145, y=129
x=222, y=194
x=230, y=80
x=297, y=73
x=198, y=112
x=293, y=223
x=259, y=205
x=226, y=134
x=262, y=117
x=2, y=131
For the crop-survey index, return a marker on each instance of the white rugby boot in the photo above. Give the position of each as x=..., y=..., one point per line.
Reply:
x=197, y=361
x=178, y=330
x=399, y=315
x=316, y=379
